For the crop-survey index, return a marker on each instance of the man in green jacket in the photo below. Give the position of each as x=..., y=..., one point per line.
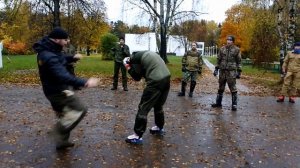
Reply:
x=149, y=65
x=120, y=52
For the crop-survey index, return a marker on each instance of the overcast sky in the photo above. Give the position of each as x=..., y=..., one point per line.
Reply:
x=215, y=9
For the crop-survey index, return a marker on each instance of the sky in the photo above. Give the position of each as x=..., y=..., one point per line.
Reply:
x=215, y=10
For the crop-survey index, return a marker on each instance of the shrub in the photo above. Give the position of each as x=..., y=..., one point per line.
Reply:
x=108, y=41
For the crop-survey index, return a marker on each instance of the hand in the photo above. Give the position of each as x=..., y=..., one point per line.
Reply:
x=199, y=70
x=216, y=72
x=238, y=75
x=126, y=62
x=78, y=56
x=92, y=82
x=183, y=69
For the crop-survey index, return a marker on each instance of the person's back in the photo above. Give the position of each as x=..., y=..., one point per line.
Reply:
x=149, y=65
x=155, y=67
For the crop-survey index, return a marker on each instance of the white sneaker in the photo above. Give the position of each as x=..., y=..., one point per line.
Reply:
x=134, y=139
x=156, y=130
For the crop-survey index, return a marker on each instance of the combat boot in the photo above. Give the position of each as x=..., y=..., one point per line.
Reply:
x=183, y=85
x=292, y=99
x=192, y=88
x=218, y=101
x=234, y=101
x=280, y=98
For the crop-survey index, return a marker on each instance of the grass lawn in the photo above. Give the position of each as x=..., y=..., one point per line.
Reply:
x=264, y=77
x=23, y=68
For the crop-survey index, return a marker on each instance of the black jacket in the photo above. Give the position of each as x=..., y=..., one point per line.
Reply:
x=52, y=64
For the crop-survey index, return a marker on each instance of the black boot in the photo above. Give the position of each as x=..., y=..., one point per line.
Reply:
x=192, y=88
x=234, y=101
x=183, y=85
x=218, y=101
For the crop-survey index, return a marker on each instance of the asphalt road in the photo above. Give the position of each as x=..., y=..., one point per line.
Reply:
x=261, y=133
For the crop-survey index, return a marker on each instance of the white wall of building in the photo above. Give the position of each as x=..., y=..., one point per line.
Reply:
x=147, y=41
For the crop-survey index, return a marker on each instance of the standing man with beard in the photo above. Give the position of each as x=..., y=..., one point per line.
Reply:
x=229, y=66
x=120, y=52
x=191, y=66
x=57, y=80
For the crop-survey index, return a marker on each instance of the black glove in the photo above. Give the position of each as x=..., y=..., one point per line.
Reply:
x=199, y=70
x=113, y=49
x=238, y=74
x=216, y=72
x=183, y=69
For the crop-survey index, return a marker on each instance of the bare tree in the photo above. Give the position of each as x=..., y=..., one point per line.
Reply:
x=163, y=13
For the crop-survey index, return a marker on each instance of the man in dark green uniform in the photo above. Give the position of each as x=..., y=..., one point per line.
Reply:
x=120, y=52
x=149, y=65
x=191, y=66
x=229, y=65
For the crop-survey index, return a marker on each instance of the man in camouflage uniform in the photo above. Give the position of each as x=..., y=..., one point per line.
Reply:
x=69, y=50
x=120, y=52
x=229, y=65
x=291, y=67
x=191, y=66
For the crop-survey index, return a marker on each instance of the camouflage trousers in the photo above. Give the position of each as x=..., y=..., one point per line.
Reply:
x=69, y=110
x=228, y=77
x=187, y=75
x=291, y=84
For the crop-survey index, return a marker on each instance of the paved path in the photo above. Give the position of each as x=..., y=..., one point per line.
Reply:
x=262, y=133
x=239, y=85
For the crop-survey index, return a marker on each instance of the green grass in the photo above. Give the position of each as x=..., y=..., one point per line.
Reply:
x=13, y=63
x=23, y=68
x=265, y=77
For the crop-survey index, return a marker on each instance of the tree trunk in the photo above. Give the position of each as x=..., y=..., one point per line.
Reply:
x=292, y=24
x=281, y=36
x=56, y=22
x=163, y=43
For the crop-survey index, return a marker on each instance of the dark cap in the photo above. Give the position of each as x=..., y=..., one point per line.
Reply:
x=121, y=38
x=231, y=38
x=58, y=33
x=297, y=44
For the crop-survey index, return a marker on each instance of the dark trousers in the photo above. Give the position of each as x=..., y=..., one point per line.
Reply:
x=117, y=68
x=154, y=96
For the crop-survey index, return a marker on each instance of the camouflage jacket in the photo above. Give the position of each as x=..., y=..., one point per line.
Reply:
x=121, y=52
x=291, y=62
x=229, y=58
x=192, y=61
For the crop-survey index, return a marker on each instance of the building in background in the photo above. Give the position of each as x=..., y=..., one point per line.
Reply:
x=200, y=47
x=147, y=41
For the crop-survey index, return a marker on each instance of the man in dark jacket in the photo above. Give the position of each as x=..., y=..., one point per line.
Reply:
x=120, y=52
x=149, y=65
x=56, y=81
x=229, y=65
